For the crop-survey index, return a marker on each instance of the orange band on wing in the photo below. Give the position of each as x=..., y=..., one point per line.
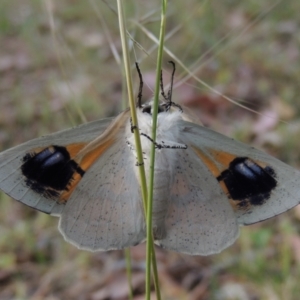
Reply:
x=208, y=162
x=84, y=163
x=223, y=158
x=66, y=194
x=86, y=160
x=90, y=157
x=74, y=149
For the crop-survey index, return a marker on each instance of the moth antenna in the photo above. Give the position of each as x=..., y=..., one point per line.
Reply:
x=139, y=96
x=169, y=98
x=162, y=87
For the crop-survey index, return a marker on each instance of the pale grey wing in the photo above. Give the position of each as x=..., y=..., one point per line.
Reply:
x=258, y=185
x=199, y=220
x=12, y=182
x=105, y=211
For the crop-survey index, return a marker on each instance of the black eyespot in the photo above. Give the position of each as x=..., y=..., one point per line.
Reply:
x=246, y=180
x=50, y=171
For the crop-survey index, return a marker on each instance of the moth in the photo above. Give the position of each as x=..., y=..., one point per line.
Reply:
x=206, y=184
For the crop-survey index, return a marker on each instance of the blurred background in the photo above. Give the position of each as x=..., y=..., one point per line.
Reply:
x=60, y=66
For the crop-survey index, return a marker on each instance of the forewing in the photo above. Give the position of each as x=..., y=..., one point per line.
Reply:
x=258, y=186
x=14, y=183
x=105, y=211
x=199, y=219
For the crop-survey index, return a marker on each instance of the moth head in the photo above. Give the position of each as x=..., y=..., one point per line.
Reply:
x=147, y=108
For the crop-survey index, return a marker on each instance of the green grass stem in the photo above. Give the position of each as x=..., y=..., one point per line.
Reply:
x=150, y=248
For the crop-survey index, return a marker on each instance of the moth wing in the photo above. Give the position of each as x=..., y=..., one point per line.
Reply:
x=105, y=211
x=12, y=181
x=269, y=187
x=199, y=219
